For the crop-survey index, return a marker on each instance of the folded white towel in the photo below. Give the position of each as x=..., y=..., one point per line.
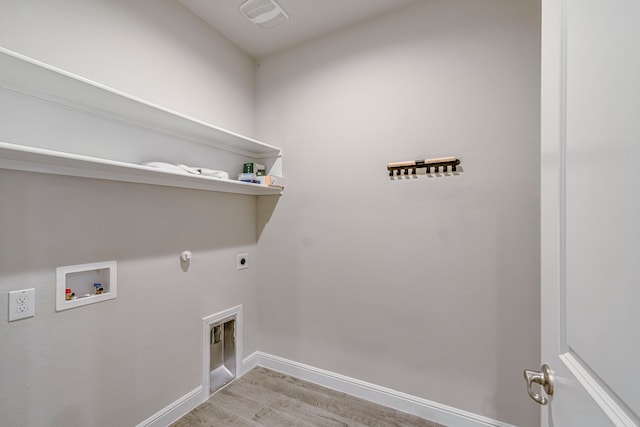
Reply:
x=213, y=173
x=184, y=169
x=189, y=169
x=165, y=167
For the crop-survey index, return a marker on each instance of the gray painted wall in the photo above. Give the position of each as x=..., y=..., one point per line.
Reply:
x=118, y=362
x=158, y=51
x=427, y=286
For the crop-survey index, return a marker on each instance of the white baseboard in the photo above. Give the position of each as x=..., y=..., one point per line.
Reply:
x=176, y=410
x=250, y=362
x=437, y=412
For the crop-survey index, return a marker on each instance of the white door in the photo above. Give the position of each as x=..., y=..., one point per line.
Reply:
x=591, y=211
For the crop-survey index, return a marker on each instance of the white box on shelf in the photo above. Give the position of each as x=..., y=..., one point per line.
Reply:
x=271, y=181
x=87, y=284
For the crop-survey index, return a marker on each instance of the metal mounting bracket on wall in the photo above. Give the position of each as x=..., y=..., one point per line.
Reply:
x=413, y=165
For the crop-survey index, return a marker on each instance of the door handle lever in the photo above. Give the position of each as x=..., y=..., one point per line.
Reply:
x=544, y=378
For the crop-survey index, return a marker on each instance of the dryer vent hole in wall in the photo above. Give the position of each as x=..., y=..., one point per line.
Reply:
x=222, y=354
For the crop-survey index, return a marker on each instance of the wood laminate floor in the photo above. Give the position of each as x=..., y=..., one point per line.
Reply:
x=267, y=398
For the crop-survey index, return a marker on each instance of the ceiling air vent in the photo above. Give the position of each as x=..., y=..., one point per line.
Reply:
x=264, y=13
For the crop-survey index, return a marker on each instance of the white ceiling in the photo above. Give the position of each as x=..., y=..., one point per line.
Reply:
x=307, y=19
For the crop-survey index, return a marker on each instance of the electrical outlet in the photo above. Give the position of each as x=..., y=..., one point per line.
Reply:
x=22, y=304
x=242, y=262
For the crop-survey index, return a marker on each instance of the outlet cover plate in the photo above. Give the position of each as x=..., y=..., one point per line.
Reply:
x=22, y=304
x=242, y=261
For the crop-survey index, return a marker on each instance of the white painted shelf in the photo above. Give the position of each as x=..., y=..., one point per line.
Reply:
x=28, y=76
x=42, y=82
x=20, y=157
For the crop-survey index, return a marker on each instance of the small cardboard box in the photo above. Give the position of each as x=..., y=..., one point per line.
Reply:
x=272, y=181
